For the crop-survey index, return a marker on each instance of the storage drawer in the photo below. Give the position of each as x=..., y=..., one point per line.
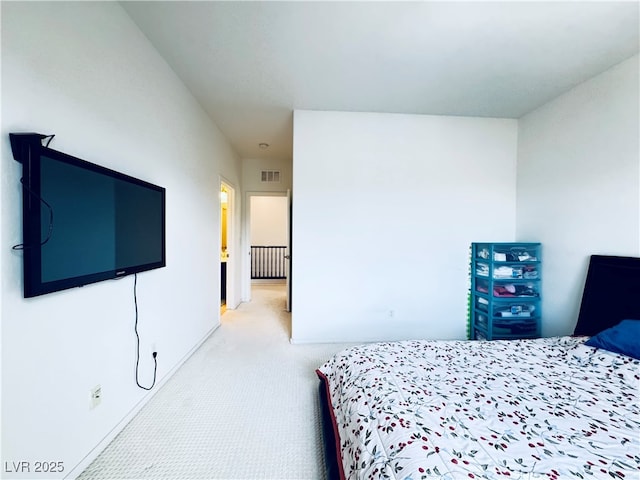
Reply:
x=514, y=310
x=515, y=254
x=527, y=271
x=511, y=252
x=479, y=334
x=499, y=333
x=482, y=286
x=506, y=289
x=482, y=321
x=482, y=251
x=528, y=327
x=482, y=303
x=482, y=269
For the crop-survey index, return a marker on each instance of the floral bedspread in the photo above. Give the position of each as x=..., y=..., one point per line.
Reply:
x=546, y=408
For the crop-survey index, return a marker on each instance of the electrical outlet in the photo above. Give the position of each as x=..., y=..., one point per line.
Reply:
x=95, y=397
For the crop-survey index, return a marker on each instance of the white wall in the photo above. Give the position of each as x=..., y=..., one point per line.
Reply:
x=579, y=185
x=251, y=180
x=83, y=71
x=385, y=209
x=269, y=221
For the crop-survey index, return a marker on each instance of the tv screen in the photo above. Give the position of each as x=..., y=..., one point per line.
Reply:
x=83, y=223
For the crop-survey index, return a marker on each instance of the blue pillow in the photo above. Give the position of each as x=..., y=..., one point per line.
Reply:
x=623, y=338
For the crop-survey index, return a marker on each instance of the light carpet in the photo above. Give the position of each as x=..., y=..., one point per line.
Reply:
x=243, y=406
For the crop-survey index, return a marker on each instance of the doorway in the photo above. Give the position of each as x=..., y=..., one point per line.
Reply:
x=268, y=240
x=227, y=242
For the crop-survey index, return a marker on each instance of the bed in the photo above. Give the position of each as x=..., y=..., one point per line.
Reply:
x=560, y=407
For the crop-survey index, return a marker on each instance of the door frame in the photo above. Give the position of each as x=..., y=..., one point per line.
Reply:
x=232, y=297
x=246, y=240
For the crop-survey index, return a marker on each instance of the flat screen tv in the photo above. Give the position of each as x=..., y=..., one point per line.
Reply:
x=84, y=223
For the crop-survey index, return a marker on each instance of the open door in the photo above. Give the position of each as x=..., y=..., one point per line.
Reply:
x=227, y=243
x=224, y=245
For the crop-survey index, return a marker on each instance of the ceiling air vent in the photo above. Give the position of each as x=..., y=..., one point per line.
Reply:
x=270, y=176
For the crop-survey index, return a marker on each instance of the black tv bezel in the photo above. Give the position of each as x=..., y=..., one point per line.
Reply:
x=27, y=149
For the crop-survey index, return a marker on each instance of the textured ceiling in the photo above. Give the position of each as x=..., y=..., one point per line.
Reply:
x=250, y=64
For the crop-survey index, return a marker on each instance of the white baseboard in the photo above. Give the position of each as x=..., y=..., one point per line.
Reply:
x=95, y=451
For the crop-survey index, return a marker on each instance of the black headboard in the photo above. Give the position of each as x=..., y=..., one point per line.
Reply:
x=611, y=293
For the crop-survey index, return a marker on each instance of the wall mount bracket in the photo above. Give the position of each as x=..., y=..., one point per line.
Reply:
x=22, y=142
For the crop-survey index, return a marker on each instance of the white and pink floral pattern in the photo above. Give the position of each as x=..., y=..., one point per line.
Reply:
x=522, y=409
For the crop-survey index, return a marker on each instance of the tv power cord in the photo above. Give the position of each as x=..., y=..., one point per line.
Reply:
x=154, y=354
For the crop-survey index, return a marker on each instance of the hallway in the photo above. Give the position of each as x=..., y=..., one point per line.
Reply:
x=244, y=406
